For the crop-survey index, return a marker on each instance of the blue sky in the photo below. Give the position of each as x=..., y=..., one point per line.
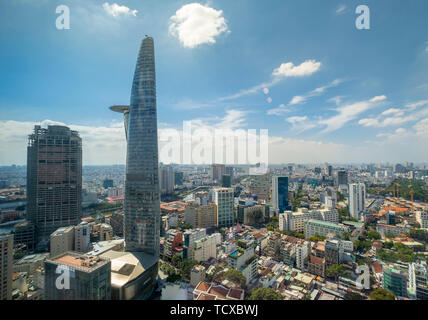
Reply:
x=335, y=93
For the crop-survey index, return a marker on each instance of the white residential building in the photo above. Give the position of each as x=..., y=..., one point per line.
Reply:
x=82, y=234
x=356, y=199
x=223, y=198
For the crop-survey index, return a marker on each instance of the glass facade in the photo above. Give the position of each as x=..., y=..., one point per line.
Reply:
x=282, y=193
x=142, y=203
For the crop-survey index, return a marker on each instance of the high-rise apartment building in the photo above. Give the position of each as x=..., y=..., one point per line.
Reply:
x=395, y=281
x=356, y=199
x=54, y=179
x=82, y=236
x=166, y=179
x=201, y=216
x=217, y=172
x=223, y=198
x=6, y=262
x=418, y=280
x=62, y=240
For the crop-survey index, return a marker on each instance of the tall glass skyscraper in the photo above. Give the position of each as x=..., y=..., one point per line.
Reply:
x=142, y=203
x=280, y=193
x=142, y=196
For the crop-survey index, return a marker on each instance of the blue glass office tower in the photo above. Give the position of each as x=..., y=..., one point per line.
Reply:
x=142, y=198
x=280, y=193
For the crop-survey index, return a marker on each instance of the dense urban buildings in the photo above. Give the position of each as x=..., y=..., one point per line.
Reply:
x=54, y=179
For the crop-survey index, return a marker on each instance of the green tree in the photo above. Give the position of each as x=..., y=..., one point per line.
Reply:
x=336, y=270
x=177, y=260
x=381, y=294
x=186, y=267
x=265, y=294
x=317, y=238
x=353, y=296
x=372, y=234
x=235, y=275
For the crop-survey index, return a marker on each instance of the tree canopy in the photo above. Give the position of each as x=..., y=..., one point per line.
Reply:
x=265, y=294
x=381, y=294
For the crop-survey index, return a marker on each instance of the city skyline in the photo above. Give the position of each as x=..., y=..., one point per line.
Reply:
x=326, y=91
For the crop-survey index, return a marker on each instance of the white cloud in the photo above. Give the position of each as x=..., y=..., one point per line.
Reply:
x=116, y=10
x=394, y=111
x=315, y=92
x=417, y=104
x=288, y=69
x=341, y=9
x=195, y=24
x=349, y=112
x=297, y=100
x=378, y=98
x=397, y=116
x=421, y=128
x=300, y=123
x=281, y=109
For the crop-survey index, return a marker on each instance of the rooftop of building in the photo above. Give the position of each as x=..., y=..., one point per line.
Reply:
x=62, y=230
x=32, y=258
x=127, y=266
x=78, y=260
x=325, y=223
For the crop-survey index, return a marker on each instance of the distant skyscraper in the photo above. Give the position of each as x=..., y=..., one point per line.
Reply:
x=54, y=179
x=342, y=177
x=217, y=171
x=330, y=171
x=356, y=199
x=166, y=179
x=226, y=181
x=107, y=183
x=142, y=194
x=223, y=198
x=280, y=193
x=6, y=262
x=178, y=178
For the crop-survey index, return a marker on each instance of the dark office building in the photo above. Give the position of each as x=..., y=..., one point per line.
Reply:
x=280, y=193
x=330, y=171
x=342, y=177
x=108, y=183
x=178, y=178
x=24, y=234
x=54, y=179
x=226, y=181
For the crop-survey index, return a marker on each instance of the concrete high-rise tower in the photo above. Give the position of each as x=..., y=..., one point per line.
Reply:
x=54, y=179
x=142, y=196
x=356, y=199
